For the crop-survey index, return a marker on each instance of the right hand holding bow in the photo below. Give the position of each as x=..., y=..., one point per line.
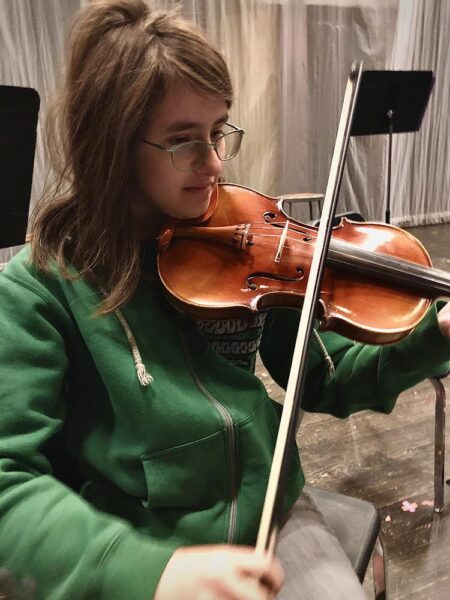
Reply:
x=219, y=572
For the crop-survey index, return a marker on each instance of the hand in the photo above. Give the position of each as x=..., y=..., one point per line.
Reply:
x=10, y=589
x=444, y=320
x=219, y=572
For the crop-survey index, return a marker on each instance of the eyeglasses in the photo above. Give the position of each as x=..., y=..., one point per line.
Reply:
x=189, y=156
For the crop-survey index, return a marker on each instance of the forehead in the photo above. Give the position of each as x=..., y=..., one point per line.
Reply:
x=184, y=104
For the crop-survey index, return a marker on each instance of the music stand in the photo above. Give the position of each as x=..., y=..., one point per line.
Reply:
x=391, y=102
x=19, y=108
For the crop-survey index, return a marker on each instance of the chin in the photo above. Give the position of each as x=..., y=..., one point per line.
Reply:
x=199, y=213
x=191, y=216
x=193, y=212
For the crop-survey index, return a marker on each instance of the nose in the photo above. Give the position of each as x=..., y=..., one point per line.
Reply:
x=212, y=165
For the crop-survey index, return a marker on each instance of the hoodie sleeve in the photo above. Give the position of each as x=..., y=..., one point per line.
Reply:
x=47, y=531
x=366, y=377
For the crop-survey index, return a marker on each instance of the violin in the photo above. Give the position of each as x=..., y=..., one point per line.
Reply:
x=246, y=254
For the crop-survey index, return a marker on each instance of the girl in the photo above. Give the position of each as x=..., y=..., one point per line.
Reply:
x=134, y=456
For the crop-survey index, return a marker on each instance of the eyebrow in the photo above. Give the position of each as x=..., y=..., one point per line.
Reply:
x=182, y=125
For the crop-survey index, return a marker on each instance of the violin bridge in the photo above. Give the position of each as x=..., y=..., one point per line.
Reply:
x=282, y=242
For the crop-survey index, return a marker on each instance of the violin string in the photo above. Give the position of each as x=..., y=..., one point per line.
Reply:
x=347, y=251
x=344, y=248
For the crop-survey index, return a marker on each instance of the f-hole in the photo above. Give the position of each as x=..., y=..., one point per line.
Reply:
x=273, y=277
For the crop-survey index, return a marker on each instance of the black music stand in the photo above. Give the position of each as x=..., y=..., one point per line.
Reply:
x=19, y=108
x=391, y=102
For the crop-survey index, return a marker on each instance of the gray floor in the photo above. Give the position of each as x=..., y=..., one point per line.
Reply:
x=388, y=459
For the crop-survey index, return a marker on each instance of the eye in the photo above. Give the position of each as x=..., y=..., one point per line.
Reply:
x=217, y=133
x=181, y=139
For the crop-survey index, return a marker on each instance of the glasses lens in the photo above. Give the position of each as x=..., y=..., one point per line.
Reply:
x=228, y=145
x=189, y=156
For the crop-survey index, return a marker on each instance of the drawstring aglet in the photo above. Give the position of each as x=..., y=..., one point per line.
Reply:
x=144, y=377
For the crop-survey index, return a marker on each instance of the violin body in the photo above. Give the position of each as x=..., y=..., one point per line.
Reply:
x=248, y=255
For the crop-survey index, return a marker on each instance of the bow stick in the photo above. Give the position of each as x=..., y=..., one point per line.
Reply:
x=269, y=524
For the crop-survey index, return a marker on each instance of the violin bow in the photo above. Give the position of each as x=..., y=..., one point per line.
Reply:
x=290, y=420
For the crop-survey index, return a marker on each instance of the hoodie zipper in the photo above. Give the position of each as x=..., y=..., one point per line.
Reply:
x=231, y=439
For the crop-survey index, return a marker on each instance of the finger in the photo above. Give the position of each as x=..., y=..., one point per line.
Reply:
x=7, y=584
x=28, y=589
x=273, y=578
x=239, y=588
x=255, y=590
x=265, y=568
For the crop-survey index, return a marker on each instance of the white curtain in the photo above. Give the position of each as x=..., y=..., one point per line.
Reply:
x=32, y=34
x=421, y=178
x=289, y=61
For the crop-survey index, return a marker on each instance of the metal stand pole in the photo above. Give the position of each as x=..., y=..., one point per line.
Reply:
x=390, y=116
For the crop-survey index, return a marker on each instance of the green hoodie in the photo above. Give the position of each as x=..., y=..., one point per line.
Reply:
x=184, y=460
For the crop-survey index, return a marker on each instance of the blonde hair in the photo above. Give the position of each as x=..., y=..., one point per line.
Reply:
x=121, y=59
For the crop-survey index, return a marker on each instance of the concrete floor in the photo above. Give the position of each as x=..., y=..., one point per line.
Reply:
x=387, y=459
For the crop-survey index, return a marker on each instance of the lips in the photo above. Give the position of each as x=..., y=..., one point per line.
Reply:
x=198, y=188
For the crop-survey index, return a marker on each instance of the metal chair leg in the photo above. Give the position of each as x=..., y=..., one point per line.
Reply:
x=439, y=444
x=379, y=570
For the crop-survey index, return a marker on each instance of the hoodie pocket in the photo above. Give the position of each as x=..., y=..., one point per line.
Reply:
x=190, y=476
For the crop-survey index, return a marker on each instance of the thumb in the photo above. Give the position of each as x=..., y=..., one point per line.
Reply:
x=266, y=568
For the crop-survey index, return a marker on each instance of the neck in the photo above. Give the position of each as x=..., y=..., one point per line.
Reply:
x=147, y=221
x=147, y=229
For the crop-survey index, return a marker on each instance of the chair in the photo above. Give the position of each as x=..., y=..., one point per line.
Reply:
x=18, y=126
x=356, y=524
x=439, y=442
x=440, y=408
x=303, y=197
x=351, y=216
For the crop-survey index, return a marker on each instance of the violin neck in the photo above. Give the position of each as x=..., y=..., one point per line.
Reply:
x=426, y=281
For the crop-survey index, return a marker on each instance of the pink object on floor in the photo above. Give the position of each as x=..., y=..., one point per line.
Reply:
x=408, y=506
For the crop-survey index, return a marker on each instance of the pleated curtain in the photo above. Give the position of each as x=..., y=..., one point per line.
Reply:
x=289, y=61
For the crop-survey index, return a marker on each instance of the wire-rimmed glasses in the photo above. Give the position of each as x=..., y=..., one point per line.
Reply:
x=189, y=156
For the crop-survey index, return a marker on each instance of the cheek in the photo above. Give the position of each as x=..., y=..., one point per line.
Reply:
x=161, y=187
x=154, y=177
x=162, y=190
